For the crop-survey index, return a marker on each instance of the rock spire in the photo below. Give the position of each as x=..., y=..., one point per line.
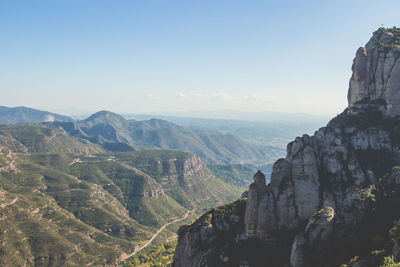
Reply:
x=376, y=70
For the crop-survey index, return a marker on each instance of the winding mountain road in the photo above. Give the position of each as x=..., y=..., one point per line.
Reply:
x=156, y=234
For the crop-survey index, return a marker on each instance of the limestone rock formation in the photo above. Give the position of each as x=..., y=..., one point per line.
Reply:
x=376, y=70
x=330, y=197
x=318, y=230
x=209, y=240
x=255, y=194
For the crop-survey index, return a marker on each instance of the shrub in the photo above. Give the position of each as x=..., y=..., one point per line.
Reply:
x=389, y=262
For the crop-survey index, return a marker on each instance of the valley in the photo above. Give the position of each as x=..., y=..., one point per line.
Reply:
x=123, y=185
x=113, y=181
x=74, y=188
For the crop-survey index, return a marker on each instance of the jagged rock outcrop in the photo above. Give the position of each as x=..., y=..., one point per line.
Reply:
x=318, y=208
x=376, y=70
x=175, y=169
x=255, y=194
x=208, y=242
x=313, y=174
x=318, y=230
x=179, y=169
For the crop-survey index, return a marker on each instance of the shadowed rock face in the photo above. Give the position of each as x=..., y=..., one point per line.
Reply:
x=319, y=229
x=376, y=70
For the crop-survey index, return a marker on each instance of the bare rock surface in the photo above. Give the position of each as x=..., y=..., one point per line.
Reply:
x=376, y=70
x=331, y=194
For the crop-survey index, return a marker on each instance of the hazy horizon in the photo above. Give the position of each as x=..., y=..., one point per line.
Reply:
x=239, y=115
x=176, y=56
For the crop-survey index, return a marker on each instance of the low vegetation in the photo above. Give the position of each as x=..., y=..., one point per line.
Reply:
x=237, y=174
x=156, y=256
x=66, y=202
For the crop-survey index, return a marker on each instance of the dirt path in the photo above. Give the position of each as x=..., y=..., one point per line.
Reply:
x=3, y=205
x=77, y=160
x=156, y=234
x=10, y=163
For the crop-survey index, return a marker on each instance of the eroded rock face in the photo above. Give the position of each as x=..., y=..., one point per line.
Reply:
x=209, y=241
x=322, y=194
x=318, y=230
x=327, y=169
x=376, y=70
x=255, y=194
x=318, y=195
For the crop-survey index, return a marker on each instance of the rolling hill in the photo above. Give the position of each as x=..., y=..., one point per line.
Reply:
x=215, y=141
x=17, y=115
x=65, y=202
x=33, y=138
x=115, y=133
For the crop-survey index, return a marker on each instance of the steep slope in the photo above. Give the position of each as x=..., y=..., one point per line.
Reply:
x=37, y=229
x=110, y=126
x=104, y=116
x=334, y=196
x=375, y=70
x=210, y=146
x=63, y=209
x=32, y=138
x=274, y=130
x=233, y=173
x=115, y=133
x=18, y=115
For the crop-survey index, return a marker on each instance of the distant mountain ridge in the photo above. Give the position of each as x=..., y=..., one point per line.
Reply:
x=262, y=116
x=218, y=141
x=116, y=133
x=35, y=138
x=17, y=115
x=274, y=133
x=113, y=132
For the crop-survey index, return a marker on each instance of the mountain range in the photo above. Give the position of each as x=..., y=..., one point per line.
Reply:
x=266, y=136
x=115, y=133
x=275, y=133
x=17, y=115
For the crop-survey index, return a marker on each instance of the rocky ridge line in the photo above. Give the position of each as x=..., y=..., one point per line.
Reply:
x=376, y=68
x=317, y=209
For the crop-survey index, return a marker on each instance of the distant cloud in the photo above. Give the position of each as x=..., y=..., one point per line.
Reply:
x=227, y=97
x=181, y=95
x=219, y=95
x=260, y=97
x=153, y=96
x=222, y=100
x=223, y=96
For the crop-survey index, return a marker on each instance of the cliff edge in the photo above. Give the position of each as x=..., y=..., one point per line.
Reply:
x=334, y=197
x=376, y=70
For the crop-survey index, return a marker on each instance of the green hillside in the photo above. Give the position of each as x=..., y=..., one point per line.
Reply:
x=37, y=229
x=237, y=174
x=19, y=115
x=32, y=138
x=65, y=202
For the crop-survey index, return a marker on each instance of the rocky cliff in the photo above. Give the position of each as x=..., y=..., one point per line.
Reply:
x=331, y=198
x=376, y=70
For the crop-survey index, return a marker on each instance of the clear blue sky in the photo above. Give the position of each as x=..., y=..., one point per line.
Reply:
x=152, y=56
